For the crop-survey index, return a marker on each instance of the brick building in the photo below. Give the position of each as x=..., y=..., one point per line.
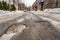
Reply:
x=47, y=4
x=51, y=3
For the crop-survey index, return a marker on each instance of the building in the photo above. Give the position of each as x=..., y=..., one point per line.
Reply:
x=36, y=6
x=19, y=4
x=47, y=4
x=58, y=3
x=52, y=4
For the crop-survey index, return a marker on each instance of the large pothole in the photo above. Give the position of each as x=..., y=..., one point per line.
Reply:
x=12, y=30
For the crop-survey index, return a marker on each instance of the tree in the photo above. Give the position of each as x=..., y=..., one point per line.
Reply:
x=0, y=5
x=4, y=5
x=12, y=7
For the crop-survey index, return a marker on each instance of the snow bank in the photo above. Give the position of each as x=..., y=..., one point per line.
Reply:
x=2, y=13
x=8, y=14
x=55, y=10
x=55, y=15
x=55, y=23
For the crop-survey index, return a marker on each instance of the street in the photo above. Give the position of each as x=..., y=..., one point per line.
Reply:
x=34, y=21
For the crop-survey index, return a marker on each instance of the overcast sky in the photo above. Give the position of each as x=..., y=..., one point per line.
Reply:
x=28, y=2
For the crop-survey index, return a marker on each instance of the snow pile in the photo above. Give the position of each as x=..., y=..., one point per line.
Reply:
x=10, y=32
x=2, y=13
x=55, y=23
x=8, y=14
x=7, y=36
x=52, y=15
x=55, y=10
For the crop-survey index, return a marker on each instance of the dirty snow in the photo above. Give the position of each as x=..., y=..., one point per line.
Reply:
x=55, y=23
x=51, y=17
x=7, y=36
x=2, y=13
x=54, y=10
x=6, y=15
x=21, y=20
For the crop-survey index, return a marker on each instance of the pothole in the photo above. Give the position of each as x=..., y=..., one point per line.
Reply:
x=15, y=28
x=45, y=23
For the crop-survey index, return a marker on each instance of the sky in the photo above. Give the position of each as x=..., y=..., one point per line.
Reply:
x=28, y=2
